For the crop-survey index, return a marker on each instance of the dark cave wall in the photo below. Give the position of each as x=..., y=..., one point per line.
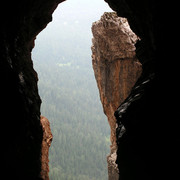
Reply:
x=149, y=147
x=22, y=135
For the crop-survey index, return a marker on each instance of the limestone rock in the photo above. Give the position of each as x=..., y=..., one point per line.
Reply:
x=115, y=65
x=113, y=38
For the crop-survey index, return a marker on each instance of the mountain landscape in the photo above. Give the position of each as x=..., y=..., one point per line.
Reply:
x=70, y=97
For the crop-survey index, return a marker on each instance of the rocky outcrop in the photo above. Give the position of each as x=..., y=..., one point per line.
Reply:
x=46, y=143
x=116, y=70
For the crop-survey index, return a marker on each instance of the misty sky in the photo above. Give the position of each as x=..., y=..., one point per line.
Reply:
x=72, y=22
x=82, y=8
x=80, y=12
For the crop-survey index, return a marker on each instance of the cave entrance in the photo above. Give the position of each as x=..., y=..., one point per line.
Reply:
x=70, y=98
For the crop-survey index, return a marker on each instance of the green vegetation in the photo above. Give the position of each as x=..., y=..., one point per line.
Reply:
x=71, y=102
x=80, y=129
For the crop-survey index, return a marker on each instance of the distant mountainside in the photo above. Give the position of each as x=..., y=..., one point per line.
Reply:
x=70, y=98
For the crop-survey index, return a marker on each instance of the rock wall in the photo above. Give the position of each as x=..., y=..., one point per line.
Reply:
x=22, y=135
x=116, y=70
x=147, y=133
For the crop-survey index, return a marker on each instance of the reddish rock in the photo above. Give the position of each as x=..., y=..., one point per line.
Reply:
x=46, y=143
x=116, y=69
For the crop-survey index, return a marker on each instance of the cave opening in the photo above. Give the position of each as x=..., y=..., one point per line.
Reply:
x=149, y=114
x=70, y=98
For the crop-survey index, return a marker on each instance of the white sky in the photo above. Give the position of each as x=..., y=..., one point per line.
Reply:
x=82, y=8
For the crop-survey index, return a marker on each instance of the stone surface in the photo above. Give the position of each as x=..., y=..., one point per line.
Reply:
x=116, y=69
x=46, y=143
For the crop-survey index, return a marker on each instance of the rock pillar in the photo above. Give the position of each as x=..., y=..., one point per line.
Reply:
x=116, y=70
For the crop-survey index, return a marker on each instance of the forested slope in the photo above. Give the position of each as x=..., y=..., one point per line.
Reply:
x=62, y=58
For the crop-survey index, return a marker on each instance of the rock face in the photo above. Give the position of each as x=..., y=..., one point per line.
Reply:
x=116, y=70
x=46, y=143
